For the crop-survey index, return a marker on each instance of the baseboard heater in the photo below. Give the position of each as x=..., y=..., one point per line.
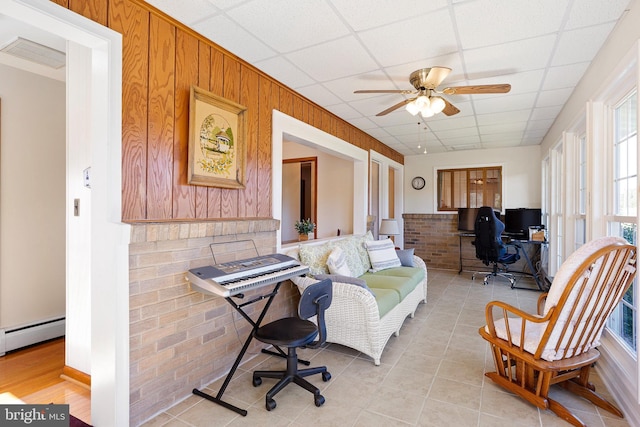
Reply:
x=26, y=335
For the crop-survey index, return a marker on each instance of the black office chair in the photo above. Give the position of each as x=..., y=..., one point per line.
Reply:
x=294, y=332
x=490, y=248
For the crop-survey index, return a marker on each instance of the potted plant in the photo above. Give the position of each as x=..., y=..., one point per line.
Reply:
x=304, y=227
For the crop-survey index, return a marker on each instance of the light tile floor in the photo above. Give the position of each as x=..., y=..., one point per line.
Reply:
x=431, y=375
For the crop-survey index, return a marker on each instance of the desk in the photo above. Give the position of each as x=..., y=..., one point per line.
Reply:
x=535, y=272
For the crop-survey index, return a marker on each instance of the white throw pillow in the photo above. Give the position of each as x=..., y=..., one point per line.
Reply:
x=337, y=262
x=382, y=254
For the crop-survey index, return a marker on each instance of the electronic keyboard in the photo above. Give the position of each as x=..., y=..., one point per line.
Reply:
x=235, y=277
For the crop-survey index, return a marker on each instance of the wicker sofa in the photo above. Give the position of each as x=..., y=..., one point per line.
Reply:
x=364, y=317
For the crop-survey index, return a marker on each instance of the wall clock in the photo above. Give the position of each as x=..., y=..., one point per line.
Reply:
x=418, y=183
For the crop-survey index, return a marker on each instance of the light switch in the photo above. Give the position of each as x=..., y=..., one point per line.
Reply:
x=86, y=177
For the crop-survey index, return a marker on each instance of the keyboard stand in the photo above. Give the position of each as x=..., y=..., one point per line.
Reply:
x=239, y=308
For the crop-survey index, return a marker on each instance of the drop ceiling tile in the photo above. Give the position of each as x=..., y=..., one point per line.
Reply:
x=187, y=15
x=222, y=4
x=285, y=28
x=320, y=95
x=363, y=123
x=503, y=117
x=580, y=45
x=539, y=125
x=284, y=71
x=565, y=76
x=591, y=12
x=505, y=102
x=527, y=81
x=513, y=57
x=506, y=20
x=405, y=41
x=362, y=14
x=548, y=98
x=452, y=123
x=226, y=33
x=334, y=59
x=545, y=113
x=498, y=128
x=374, y=80
x=344, y=111
x=457, y=133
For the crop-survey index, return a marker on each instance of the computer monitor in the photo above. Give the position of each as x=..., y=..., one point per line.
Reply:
x=467, y=218
x=518, y=221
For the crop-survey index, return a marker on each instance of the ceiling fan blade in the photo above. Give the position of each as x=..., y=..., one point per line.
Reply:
x=395, y=107
x=384, y=91
x=449, y=108
x=467, y=90
x=436, y=76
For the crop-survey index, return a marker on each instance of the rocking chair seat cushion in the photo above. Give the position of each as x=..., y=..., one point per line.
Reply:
x=569, y=266
x=533, y=334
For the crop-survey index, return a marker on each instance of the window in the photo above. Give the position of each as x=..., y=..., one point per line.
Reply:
x=470, y=188
x=581, y=216
x=623, y=219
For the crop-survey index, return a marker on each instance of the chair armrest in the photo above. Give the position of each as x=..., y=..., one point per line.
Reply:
x=541, y=300
x=507, y=309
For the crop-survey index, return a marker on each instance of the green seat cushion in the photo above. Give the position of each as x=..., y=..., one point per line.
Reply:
x=412, y=272
x=402, y=285
x=386, y=299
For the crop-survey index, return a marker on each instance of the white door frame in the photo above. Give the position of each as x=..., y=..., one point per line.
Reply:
x=102, y=49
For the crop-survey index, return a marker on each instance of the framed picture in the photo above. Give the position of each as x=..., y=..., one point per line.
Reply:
x=217, y=141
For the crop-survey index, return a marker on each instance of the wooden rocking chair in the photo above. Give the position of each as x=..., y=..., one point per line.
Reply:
x=532, y=352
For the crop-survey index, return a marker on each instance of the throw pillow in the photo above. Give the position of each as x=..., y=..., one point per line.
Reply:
x=337, y=262
x=406, y=257
x=352, y=258
x=382, y=254
x=315, y=257
x=345, y=279
x=358, y=243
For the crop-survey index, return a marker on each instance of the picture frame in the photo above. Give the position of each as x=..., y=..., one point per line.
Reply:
x=217, y=140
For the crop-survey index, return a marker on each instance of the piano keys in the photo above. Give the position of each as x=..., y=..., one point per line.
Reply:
x=235, y=277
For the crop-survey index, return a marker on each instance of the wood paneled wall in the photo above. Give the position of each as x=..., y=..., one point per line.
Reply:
x=161, y=60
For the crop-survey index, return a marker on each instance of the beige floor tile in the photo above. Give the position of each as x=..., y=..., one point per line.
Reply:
x=430, y=375
x=455, y=392
x=404, y=405
x=440, y=414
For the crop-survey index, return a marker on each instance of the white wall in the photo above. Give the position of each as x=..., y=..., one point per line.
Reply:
x=520, y=170
x=335, y=208
x=32, y=198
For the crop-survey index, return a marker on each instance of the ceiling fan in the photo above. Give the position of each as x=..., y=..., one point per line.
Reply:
x=426, y=100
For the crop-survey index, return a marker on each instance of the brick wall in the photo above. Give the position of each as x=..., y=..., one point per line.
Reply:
x=436, y=239
x=180, y=339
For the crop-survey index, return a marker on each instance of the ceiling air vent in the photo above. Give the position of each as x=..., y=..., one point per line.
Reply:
x=35, y=52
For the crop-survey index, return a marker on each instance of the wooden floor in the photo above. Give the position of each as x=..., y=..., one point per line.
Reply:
x=33, y=375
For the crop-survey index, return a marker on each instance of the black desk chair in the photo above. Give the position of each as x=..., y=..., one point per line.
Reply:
x=490, y=248
x=294, y=332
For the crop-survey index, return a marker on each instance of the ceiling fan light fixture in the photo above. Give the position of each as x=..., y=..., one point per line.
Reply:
x=427, y=112
x=437, y=104
x=412, y=108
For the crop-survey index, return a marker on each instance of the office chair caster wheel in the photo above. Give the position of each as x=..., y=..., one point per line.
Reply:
x=257, y=381
x=319, y=400
x=270, y=404
x=326, y=376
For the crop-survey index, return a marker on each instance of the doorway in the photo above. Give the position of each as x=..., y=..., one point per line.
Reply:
x=299, y=195
x=94, y=108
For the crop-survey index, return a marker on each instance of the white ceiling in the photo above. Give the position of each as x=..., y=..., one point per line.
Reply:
x=326, y=49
